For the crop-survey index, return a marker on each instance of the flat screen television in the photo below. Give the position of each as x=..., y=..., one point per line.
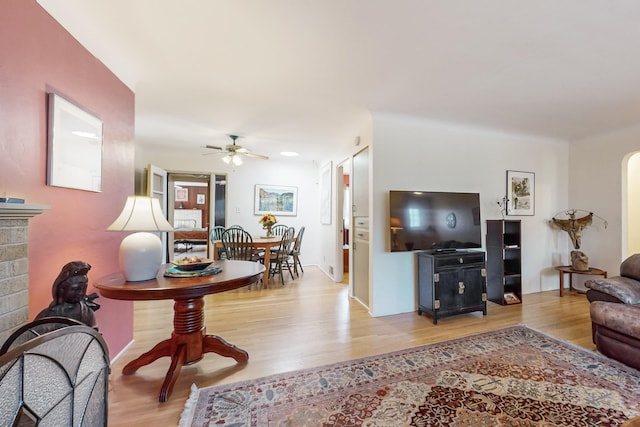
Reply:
x=429, y=220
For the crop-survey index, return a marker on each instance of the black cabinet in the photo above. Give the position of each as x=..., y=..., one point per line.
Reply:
x=504, y=263
x=451, y=283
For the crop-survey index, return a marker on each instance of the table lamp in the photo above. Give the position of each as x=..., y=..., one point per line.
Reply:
x=141, y=252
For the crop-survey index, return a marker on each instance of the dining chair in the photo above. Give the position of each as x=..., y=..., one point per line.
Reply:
x=238, y=245
x=295, y=252
x=279, y=229
x=216, y=234
x=280, y=259
x=235, y=226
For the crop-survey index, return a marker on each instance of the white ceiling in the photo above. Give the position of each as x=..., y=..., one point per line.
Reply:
x=306, y=74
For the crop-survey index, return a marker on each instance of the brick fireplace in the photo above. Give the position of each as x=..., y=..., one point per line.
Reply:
x=14, y=264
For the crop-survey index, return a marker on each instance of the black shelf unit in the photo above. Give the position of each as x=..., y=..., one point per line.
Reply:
x=504, y=259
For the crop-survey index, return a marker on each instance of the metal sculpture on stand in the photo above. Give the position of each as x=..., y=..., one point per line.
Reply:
x=69, y=295
x=574, y=226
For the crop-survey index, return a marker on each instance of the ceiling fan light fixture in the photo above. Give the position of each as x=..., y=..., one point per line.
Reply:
x=226, y=159
x=289, y=154
x=236, y=160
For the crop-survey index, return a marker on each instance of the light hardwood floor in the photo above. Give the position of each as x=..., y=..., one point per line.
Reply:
x=309, y=322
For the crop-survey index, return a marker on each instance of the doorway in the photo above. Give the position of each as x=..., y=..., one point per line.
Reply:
x=197, y=202
x=343, y=216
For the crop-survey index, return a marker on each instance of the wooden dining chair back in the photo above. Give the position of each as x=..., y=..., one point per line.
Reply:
x=280, y=259
x=279, y=229
x=238, y=245
x=295, y=252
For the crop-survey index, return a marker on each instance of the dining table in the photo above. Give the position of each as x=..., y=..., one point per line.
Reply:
x=262, y=242
x=189, y=340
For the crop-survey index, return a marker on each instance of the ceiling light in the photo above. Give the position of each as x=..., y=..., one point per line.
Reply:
x=226, y=159
x=289, y=154
x=237, y=160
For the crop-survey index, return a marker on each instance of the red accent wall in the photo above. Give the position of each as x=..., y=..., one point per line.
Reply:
x=37, y=55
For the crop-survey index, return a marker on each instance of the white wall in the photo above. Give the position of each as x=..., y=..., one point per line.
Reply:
x=412, y=154
x=597, y=179
x=240, y=190
x=407, y=153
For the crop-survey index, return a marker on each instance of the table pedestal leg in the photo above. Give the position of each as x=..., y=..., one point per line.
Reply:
x=187, y=345
x=561, y=283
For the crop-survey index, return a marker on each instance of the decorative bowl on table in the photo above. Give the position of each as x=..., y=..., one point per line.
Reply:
x=192, y=264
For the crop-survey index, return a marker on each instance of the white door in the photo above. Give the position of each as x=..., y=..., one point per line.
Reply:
x=157, y=187
x=360, y=227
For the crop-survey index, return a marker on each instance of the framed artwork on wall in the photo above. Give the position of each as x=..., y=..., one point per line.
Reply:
x=521, y=192
x=182, y=194
x=275, y=199
x=200, y=199
x=74, y=146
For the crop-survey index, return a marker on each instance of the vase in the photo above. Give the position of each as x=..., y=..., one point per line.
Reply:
x=269, y=232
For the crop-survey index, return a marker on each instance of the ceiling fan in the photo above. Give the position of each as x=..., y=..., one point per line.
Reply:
x=232, y=152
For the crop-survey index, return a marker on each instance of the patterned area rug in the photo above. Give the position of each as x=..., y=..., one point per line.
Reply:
x=509, y=377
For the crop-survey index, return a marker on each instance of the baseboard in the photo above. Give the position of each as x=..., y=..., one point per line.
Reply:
x=125, y=348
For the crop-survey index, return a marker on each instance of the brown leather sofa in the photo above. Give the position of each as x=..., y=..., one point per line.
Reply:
x=615, y=313
x=616, y=331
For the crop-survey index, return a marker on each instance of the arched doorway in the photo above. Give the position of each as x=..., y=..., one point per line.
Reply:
x=632, y=235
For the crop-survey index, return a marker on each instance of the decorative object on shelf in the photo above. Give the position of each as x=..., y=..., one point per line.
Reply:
x=503, y=206
x=275, y=199
x=69, y=295
x=520, y=199
x=574, y=226
x=233, y=153
x=141, y=253
x=74, y=147
x=511, y=298
x=268, y=220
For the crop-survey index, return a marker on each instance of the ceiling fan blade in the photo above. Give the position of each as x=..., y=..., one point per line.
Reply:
x=213, y=147
x=259, y=156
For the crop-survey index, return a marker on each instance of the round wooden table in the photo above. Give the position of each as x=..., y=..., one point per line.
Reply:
x=189, y=341
x=566, y=269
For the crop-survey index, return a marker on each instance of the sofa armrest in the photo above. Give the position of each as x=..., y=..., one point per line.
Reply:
x=625, y=289
x=623, y=318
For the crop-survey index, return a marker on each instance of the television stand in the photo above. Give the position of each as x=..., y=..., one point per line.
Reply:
x=451, y=283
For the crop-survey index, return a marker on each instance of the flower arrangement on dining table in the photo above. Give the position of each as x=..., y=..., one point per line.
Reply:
x=268, y=220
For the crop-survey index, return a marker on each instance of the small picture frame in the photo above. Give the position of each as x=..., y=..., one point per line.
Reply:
x=200, y=199
x=511, y=298
x=521, y=191
x=182, y=195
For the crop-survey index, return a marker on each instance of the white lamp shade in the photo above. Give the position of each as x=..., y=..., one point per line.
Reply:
x=141, y=253
x=141, y=214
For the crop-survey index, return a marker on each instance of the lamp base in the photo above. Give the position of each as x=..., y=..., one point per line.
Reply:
x=140, y=256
